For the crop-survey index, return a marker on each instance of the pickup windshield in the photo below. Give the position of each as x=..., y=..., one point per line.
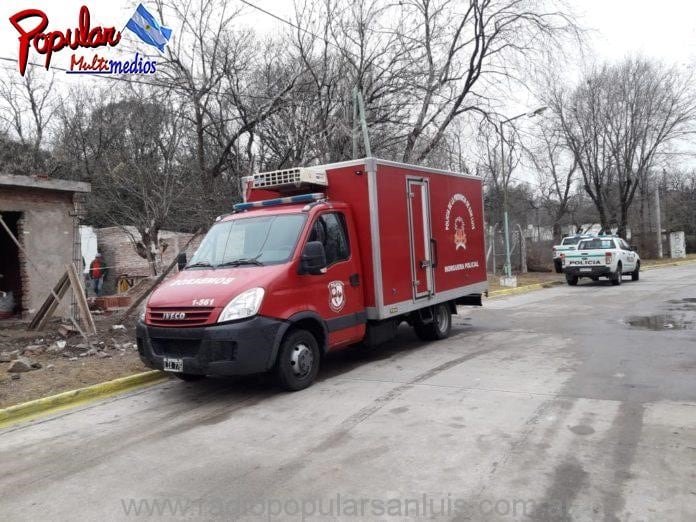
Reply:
x=249, y=241
x=596, y=244
x=570, y=241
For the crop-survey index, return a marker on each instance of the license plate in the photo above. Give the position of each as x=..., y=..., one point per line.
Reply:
x=586, y=270
x=173, y=365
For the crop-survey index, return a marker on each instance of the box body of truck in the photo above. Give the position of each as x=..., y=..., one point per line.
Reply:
x=400, y=243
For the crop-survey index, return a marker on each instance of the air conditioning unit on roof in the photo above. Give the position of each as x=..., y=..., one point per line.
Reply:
x=290, y=179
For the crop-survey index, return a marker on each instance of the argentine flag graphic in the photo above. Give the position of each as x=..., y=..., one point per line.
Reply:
x=143, y=24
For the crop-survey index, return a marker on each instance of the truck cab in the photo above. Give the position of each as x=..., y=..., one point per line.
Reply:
x=291, y=274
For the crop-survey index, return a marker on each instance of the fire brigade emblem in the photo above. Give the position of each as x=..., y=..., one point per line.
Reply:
x=337, y=296
x=459, y=234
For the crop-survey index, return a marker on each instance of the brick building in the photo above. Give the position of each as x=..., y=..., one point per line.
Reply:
x=116, y=245
x=42, y=214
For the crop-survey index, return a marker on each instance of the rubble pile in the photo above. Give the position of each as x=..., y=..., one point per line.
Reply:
x=19, y=355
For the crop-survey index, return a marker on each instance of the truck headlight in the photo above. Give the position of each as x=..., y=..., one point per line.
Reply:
x=141, y=315
x=244, y=305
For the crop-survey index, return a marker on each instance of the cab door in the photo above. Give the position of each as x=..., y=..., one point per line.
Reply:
x=337, y=293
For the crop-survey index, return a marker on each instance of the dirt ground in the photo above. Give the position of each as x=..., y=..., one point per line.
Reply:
x=111, y=354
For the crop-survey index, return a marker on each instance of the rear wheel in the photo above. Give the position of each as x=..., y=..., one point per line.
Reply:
x=616, y=278
x=189, y=377
x=635, y=275
x=434, y=329
x=298, y=360
x=571, y=279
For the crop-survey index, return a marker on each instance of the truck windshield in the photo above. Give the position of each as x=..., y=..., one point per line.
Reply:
x=249, y=241
x=596, y=244
x=570, y=240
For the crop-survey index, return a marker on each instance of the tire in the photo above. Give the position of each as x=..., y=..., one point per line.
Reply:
x=571, y=279
x=438, y=328
x=635, y=275
x=189, y=377
x=616, y=277
x=298, y=360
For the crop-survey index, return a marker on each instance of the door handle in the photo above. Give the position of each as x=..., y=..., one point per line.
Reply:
x=354, y=280
x=433, y=252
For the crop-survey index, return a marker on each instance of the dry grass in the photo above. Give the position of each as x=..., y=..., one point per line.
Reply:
x=667, y=260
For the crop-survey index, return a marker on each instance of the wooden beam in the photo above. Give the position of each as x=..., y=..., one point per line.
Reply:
x=49, y=306
x=79, y=291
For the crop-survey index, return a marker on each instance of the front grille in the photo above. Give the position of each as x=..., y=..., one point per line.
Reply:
x=175, y=347
x=177, y=317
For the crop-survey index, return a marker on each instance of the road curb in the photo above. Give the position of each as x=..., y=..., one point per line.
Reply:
x=523, y=289
x=29, y=410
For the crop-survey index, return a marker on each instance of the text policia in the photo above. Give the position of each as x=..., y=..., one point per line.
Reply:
x=83, y=36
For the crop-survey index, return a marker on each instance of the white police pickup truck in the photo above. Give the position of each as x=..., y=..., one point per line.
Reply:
x=567, y=243
x=603, y=256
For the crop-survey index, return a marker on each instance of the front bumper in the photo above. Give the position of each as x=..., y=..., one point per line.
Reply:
x=582, y=271
x=238, y=348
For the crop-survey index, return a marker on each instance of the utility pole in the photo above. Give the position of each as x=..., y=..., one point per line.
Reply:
x=507, y=269
x=658, y=221
x=359, y=110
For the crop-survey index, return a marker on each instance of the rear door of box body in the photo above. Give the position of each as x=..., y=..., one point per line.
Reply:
x=420, y=237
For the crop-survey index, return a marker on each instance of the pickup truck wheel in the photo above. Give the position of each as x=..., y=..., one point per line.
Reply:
x=189, y=377
x=440, y=326
x=616, y=277
x=635, y=275
x=571, y=279
x=298, y=360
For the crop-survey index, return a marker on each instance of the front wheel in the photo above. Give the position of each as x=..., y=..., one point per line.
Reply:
x=571, y=279
x=635, y=275
x=298, y=360
x=437, y=328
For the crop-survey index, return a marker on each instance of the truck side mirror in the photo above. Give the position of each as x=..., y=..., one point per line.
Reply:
x=634, y=248
x=313, y=258
x=181, y=260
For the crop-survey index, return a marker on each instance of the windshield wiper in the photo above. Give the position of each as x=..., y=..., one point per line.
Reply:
x=243, y=261
x=201, y=264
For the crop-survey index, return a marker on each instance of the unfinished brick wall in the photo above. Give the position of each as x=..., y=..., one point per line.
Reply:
x=46, y=233
x=120, y=256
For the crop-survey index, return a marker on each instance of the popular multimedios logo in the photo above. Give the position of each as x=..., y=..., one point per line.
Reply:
x=32, y=25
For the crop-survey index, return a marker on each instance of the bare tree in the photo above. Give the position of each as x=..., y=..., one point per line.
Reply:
x=556, y=170
x=618, y=122
x=221, y=71
x=27, y=105
x=465, y=50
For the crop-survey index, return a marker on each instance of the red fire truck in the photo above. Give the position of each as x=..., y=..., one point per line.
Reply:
x=315, y=259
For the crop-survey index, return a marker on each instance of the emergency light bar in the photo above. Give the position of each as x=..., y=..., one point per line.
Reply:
x=302, y=198
x=290, y=178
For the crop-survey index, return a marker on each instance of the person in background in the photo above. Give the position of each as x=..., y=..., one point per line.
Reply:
x=97, y=273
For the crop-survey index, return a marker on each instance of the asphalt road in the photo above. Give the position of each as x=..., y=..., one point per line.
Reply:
x=544, y=406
